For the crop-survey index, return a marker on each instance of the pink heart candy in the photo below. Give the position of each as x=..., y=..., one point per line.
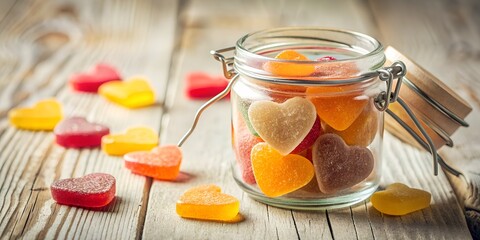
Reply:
x=77, y=132
x=92, y=80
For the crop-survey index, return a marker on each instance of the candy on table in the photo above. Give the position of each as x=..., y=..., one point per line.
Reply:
x=207, y=202
x=134, y=139
x=336, y=106
x=200, y=85
x=338, y=166
x=133, y=93
x=90, y=191
x=77, y=132
x=91, y=81
x=243, y=142
x=363, y=129
x=44, y=115
x=160, y=163
x=277, y=175
x=288, y=69
x=398, y=199
x=283, y=125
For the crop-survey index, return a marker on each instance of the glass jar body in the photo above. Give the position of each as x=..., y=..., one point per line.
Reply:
x=307, y=134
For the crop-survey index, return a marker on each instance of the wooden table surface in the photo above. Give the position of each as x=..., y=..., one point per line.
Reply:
x=43, y=42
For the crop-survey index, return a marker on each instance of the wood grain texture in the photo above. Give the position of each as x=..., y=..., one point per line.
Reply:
x=43, y=42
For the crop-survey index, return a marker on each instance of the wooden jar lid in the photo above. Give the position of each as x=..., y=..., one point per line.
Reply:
x=440, y=110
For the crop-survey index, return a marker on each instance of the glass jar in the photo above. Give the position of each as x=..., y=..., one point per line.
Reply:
x=306, y=134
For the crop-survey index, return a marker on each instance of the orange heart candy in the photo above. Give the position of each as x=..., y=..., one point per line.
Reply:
x=208, y=203
x=336, y=107
x=277, y=175
x=287, y=69
x=160, y=163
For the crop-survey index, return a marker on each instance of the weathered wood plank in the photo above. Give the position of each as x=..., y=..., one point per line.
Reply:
x=139, y=44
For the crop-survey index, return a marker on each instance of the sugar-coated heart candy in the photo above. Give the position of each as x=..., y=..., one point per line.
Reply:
x=134, y=139
x=311, y=137
x=243, y=107
x=207, y=202
x=286, y=69
x=338, y=166
x=363, y=129
x=91, y=81
x=277, y=175
x=243, y=142
x=336, y=106
x=200, y=85
x=398, y=199
x=133, y=93
x=160, y=163
x=91, y=191
x=77, y=132
x=44, y=115
x=283, y=125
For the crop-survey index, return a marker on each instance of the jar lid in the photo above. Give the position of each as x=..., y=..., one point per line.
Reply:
x=440, y=110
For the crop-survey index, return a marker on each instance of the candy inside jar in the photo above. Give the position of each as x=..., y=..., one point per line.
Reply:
x=305, y=131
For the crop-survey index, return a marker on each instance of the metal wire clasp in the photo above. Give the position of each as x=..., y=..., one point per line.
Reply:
x=398, y=71
x=227, y=63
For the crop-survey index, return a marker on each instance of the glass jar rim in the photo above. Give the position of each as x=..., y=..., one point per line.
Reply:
x=373, y=56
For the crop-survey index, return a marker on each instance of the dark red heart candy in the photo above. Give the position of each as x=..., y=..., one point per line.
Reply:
x=91, y=191
x=77, y=132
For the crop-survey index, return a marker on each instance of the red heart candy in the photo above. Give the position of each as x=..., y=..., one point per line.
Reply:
x=160, y=163
x=91, y=81
x=77, y=132
x=91, y=191
x=201, y=85
x=311, y=137
x=338, y=166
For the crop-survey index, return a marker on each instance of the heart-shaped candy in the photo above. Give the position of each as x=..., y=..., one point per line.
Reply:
x=44, y=115
x=91, y=191
x=208, y=203
x=339, y=166
x=277, y=175
x=91, y=81
x=363, y=129
x=200, y=85
x=337, y=105
x=283, y=125
x=398, y=199
x=133, y=93
x=77, y=132
x=160, y=163
x=134, y=139
x=288, y=69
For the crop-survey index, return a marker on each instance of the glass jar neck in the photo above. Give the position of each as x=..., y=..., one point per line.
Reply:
x=357, y=55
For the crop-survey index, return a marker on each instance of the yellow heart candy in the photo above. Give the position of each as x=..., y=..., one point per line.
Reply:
x=44, y=115
x=133, y=93
x=208, y=203
x=398, y=199
x=277, y=175
x=134, y=139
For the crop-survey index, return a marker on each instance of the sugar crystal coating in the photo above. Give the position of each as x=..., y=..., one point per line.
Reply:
x=77, y=132
x=283, y=125
x=160, y=163
x=92, y=190
x=207, y=202
x=338, y=166
x=277, y=175
x=398, y=199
